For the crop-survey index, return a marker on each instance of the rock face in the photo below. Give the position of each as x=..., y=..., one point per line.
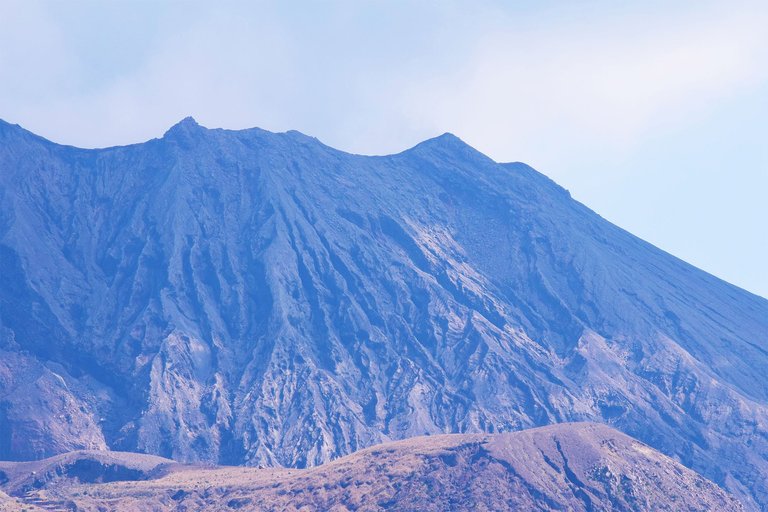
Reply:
x=574, y=466
x=246, y=297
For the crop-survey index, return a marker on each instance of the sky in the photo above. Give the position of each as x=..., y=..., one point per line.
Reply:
x=654, y=114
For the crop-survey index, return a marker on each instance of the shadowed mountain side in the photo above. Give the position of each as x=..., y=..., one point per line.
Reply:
x=257, y=298
x=577, y=467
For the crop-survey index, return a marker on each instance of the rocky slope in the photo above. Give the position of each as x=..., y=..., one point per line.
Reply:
x=84, y=467
x=8, y=504
x=246, y=297
x=577, y=467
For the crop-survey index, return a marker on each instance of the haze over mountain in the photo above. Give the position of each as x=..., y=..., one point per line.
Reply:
x=247, y=297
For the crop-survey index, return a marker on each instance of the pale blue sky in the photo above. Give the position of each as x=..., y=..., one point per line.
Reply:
x=654, y=114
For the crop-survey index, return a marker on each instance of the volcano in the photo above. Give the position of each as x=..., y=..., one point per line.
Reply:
x=257, y=298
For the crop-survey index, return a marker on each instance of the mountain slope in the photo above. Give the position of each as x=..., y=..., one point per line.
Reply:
x=578, y=467
x=83, y=467
x=245, y=297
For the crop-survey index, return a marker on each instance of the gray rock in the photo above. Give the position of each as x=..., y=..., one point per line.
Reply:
x=246, y=297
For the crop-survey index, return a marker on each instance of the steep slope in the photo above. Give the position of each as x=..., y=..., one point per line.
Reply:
x=577, y=467
x=245, y=297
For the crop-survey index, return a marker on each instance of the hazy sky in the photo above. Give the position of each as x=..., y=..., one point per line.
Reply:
x=654, y=114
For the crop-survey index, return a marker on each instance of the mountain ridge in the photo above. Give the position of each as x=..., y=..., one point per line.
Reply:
x=259, y=298
x=573, y=466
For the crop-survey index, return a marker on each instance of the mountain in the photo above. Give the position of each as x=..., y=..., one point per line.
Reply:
x=577, y=467
x=257, y=298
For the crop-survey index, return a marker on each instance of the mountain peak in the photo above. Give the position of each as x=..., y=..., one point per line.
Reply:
x=186, y=126
x=447, y=145
x=5, y=126
x=14, y=131
x=446, y=139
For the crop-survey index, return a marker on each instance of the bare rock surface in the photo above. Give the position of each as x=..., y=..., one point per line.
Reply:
x=578, y=467
x=257, y=298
